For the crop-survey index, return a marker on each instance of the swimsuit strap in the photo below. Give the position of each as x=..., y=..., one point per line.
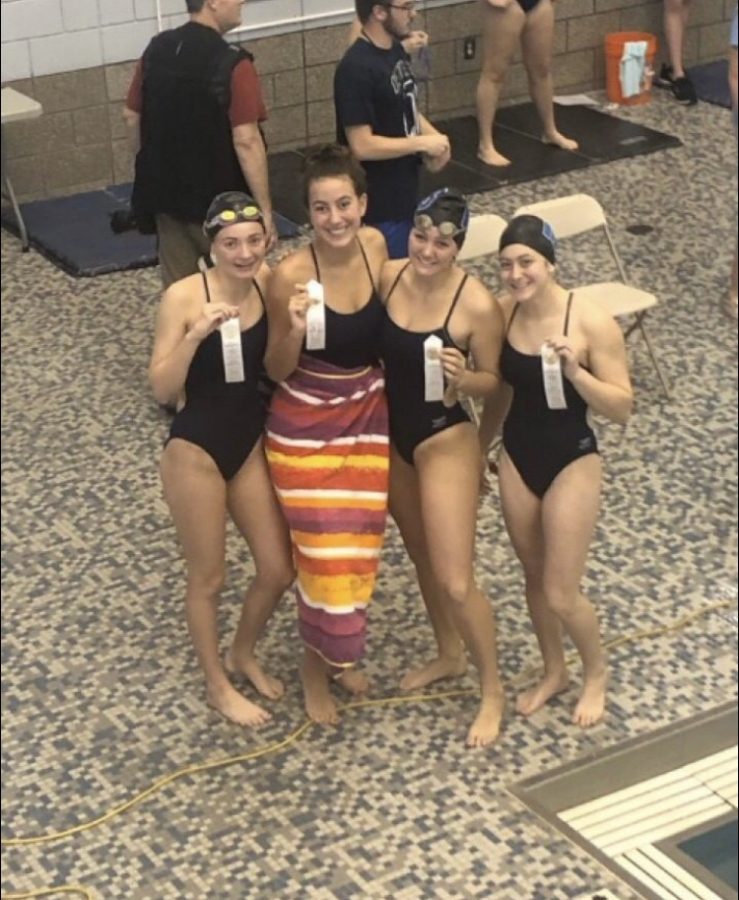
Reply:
x=315, y=261
x=261, y=295
x=395, y=283
x=510, y=321
x=462, y=283
x=207, y=289
x=567, y=314
x=366, y=263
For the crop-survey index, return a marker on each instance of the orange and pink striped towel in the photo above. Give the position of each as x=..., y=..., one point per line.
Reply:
x=328, y=453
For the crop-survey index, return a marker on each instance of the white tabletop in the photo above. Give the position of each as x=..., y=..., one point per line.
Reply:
x=16, y=106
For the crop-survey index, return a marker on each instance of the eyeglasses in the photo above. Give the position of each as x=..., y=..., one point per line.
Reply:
x=405, y=7
x=249, y=213
x=446, y=229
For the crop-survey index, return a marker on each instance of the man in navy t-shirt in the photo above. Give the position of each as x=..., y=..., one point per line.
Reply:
x=377, y=116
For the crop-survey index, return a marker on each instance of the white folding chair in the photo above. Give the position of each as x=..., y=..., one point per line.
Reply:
x=483, y=234
x=578, y=213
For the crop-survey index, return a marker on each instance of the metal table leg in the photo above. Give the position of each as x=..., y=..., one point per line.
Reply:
x=9, y=194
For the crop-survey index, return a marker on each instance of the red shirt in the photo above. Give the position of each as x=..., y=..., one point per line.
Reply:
x=246, y=105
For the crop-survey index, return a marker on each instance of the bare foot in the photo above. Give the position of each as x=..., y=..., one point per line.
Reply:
x=491, y=157
x=486, y=727
x=234, y=707
x=247, y=665
x=354, y=681
x=438, y=669
x=559, y=140
x=592, y=703
x=319, y=704
x=529, y=701
x=731, y=306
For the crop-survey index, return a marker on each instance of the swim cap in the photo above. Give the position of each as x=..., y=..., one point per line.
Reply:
x=445, y=210
x=531, y=231
x=229, y=208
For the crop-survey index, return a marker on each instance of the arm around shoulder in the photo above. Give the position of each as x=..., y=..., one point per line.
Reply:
x=485, y=337
x=284, y=342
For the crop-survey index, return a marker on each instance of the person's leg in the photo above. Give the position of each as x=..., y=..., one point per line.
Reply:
x=675, y=19
x=569, y=513
x=673, y=75
x=254, y=508
x=522, y=516
x=179, y=246
x=405, y=506
x=501, y=30
x=537, y=41
x=196, y=495
x=449, y=484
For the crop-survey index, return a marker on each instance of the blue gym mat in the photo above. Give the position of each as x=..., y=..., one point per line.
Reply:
x=74, y=232
x=711, y=82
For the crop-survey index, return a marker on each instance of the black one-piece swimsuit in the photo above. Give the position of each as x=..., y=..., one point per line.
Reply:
x=541, y=441
x=225, y=419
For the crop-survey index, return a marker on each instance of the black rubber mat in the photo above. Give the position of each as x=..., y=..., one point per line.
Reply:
x=74, y=232
x=601, y=137
x=711, y=82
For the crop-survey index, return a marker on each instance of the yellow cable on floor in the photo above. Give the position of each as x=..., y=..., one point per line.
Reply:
x=276, y=747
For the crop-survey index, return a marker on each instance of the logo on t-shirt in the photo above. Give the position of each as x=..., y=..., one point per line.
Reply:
x=404, y=85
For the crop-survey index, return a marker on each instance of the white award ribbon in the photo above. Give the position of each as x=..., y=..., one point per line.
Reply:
x=551, y=370
x=315, y=317
x=433, y=371
x=233, y=361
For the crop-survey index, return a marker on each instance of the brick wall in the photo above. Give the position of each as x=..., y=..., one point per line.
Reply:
x=80, y=142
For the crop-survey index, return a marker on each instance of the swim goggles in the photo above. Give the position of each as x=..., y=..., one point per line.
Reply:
x=446, y=229
x=226, y=217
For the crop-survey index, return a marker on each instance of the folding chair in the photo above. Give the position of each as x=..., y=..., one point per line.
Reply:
x=483, y=234
x=579, y=213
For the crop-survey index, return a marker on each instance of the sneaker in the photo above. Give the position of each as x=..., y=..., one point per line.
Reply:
x=684, y=91
x=664, y=79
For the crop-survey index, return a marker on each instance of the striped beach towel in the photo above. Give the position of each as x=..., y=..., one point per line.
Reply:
x=328, y=453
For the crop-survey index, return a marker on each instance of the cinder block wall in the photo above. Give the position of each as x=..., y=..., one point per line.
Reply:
x=80, y=142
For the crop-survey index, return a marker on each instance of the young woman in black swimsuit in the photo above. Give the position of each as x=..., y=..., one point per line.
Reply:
x=434, y=482
x=213, y=462
x=506, y=25
x=550, y=469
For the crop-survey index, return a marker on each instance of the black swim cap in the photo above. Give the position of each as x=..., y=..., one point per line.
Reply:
x=229, y=208
x=531, y=231
x=447, y=211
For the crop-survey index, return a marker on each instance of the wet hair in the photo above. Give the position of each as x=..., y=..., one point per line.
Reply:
x=333, y=161
x=533, y=232
x=230, y=208
x=446, y=210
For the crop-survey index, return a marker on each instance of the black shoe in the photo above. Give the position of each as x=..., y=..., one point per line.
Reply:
x=684, y=91
x=664, y=79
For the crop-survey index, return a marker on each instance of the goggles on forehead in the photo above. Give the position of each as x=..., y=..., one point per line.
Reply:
x=248, y=213
x=446, y=229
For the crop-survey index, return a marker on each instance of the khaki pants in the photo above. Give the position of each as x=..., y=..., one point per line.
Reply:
x=180, y=245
